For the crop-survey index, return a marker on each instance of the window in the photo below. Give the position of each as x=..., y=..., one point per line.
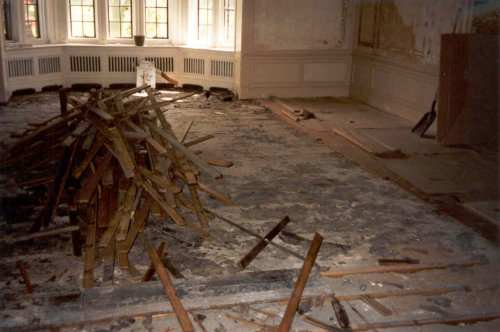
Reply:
x=7, y=20
x=205, y=18
x=82, y=17
x=120, y=18
x=31, y=17
x=157, y=19
x=229, y=19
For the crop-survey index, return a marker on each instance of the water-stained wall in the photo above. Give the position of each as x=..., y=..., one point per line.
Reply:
x=397, y=48
x=411, y=27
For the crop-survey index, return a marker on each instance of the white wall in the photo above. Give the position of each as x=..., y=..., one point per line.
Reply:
x=295, y=48
x=396, y=54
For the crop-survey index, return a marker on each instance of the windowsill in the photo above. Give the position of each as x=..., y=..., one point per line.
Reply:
x=113, y=44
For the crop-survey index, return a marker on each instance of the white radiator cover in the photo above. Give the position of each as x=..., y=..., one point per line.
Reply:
x=40, y=66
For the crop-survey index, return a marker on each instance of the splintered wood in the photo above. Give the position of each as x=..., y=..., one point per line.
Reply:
x=112, y=160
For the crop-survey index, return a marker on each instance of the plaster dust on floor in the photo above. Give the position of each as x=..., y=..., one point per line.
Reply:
x=277, y=172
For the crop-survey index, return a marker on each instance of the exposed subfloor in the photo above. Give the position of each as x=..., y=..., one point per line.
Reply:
x=277, y=172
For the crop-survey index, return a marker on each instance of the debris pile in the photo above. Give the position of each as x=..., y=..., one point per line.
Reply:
x=108, y=162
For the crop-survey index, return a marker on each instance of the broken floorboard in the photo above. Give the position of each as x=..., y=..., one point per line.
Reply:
x=108, y=303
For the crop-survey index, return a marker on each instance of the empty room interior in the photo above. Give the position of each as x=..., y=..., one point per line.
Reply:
x=249, y=165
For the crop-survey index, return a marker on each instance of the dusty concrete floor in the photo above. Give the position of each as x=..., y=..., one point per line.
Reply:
x=279, y=172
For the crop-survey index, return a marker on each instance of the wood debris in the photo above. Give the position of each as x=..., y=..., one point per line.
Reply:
x=111, y=159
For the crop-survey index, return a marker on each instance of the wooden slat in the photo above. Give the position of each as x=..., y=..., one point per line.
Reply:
x=202, y=165
x=294, y=302
x=91, y=183
x=180, y=312
x=90, y=251
x=176, y=217
x=215, y=194
x=148, y=275
x=249, y=257
x=395, y=268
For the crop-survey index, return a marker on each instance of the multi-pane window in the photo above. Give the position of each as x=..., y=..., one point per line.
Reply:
x=229, y=19
x=7, y=20
x=82, y=16
x=205, y=19
x=156, y=19
x=31, y=17
x=120, y=18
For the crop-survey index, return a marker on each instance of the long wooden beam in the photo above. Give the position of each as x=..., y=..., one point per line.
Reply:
x=180, y=312
x=395, y=268
x=294, y=302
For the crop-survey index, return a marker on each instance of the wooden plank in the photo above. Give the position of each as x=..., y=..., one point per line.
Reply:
x=90, y=251
x=395, y=268
x=198, y=140
x=176, y=217
x=296, y=297
x=38, y=235
x=252, y=233
x=470, y=318
x=41, y=131
x=89, y=157
x=162, y=182
x=122, y=153
x=215, y=194
x=180, y=311
x=202, y=165
x=322, y=325
x=148, y=275
x=123, y=213
x=377, y=306
x=140, y=219
x=62, y=174
x=91, y=183
x=369, y=145
x=101, y=113
x=250, y=256
x=101, y=303
x=129, y=205
x=186, y=131
x=340, y=313
x=220, y=163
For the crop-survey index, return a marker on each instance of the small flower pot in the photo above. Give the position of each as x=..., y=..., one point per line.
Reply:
x=139, y=40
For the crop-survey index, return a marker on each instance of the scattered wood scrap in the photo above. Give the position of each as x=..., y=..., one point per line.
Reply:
x=296, y=114
x=340, y=313
x=294, y=301
x=462, y=319
x=245, y=261
x=368, y=144
x=113, y=159
x=396, y=268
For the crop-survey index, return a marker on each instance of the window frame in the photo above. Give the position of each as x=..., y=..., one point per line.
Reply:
x=211, y=30
x=168, y=23
x=7, y=21
x=26, y=21
x=70, y=20
x=132, y=22
x=222, y=39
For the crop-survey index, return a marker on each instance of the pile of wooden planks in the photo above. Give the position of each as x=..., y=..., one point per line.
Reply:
x=110, y=161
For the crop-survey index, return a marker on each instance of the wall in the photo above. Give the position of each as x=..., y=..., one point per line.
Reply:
x=3, y=77
x=295, y=48
x=397, y=51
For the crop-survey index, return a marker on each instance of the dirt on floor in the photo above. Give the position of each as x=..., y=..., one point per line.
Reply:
x=277, y=172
